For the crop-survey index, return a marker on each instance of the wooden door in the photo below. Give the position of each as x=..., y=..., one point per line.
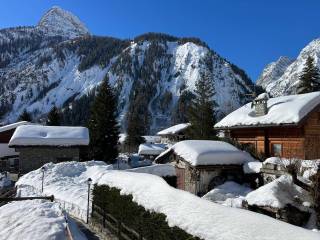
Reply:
x=180, y=172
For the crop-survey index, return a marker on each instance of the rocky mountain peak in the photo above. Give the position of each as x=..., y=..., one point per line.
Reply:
x=58, y=21
x=286, y=78
x=274, y=71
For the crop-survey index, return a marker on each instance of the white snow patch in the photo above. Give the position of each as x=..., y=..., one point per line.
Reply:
x=277, y=194
x=32, y=220
x=229, y=194
x=252, y=167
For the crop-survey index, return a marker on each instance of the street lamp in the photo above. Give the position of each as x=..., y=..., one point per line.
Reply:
x=89, y=183
x=43, y=169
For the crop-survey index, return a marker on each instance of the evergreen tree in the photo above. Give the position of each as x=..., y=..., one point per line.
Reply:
x=135, y=129
x=310, y=78
x=25, y=116
x=201, y=111
x=53, y=117
x=104, y=129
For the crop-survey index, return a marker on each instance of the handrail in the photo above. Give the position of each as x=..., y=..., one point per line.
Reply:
x=8, y=199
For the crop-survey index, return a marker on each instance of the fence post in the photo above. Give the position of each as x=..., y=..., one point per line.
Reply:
x=119, y=229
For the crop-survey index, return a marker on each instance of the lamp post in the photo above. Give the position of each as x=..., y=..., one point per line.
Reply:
x=43, y=169
x=89, y=183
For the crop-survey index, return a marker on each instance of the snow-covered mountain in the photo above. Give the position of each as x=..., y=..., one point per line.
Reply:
x=282, y=77
x=58, y=62
x=273, y=71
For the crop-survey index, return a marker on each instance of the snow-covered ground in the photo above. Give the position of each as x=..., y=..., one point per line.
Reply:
x=278, y=193
x=34, y=220
x=229, y=194
x=199, y=217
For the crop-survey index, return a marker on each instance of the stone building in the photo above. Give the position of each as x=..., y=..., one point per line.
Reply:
x=38, y=145
x=201, y=165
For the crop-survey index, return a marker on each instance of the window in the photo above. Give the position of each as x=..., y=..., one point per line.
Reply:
x=276, y=149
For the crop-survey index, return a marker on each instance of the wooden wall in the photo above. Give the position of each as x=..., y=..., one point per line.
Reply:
x=312, y=136
x=291, y=139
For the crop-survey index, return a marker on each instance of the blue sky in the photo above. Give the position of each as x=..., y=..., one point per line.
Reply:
x=249, y=33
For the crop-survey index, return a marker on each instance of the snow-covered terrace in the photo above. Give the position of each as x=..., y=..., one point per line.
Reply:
x=36, y=135
x=285, y=110
x=205, y=152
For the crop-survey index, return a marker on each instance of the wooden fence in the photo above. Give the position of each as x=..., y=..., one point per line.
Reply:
x=106, y=223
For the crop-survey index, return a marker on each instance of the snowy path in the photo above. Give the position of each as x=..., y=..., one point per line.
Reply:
x=86, y=230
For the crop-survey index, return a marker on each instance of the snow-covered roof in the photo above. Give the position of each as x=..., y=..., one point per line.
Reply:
x=151, y=149
x=174, y=129
x=281, y=111
x=13, y=126
x=152, y=139
x=36, y=135
x=205, y=152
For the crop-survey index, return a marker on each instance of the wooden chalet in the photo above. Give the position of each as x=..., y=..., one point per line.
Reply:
x=287, y=126
x=8, y=156
x=174, y=133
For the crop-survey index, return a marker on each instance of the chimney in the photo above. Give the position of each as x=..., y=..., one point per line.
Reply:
x=260, y=104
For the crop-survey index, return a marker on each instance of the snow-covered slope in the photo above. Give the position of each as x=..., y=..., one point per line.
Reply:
x=45, y=65
x=282, y=77
x=273, y=71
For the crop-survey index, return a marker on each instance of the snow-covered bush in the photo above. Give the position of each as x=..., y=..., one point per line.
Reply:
x=150, y=225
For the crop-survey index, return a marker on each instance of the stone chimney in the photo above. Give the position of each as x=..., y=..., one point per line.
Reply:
x=260, y=104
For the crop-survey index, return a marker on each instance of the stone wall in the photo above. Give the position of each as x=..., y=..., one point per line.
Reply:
x=32, y=158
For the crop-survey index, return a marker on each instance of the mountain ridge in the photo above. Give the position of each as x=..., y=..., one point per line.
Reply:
x=287, y=81
x=45, y=69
